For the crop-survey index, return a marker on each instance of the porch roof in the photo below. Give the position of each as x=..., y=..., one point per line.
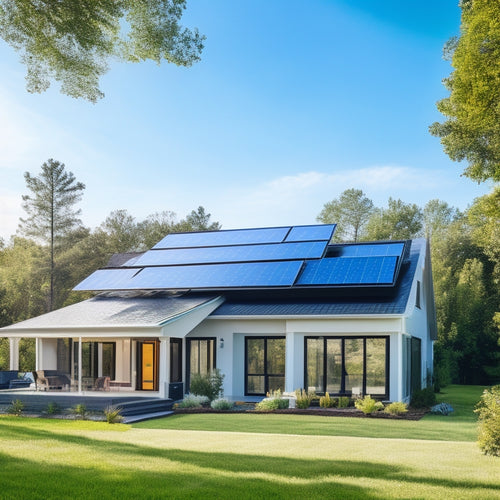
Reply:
x=117, y=311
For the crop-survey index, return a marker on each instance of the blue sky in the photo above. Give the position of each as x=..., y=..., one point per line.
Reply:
x=292, y=103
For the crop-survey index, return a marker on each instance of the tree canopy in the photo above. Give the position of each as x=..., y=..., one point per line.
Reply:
x=73, y=42
x=471, y=131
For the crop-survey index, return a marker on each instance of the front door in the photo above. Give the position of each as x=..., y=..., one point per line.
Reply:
x=148, y=365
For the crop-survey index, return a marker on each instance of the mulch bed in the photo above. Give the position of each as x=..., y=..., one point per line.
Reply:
x=413, y=413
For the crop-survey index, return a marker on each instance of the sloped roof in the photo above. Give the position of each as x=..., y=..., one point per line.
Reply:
x=115, y=310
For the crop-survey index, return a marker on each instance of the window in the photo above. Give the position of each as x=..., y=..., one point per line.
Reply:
x=264, y=364
x=200, y=356
x=175, y=360
x=347, y=365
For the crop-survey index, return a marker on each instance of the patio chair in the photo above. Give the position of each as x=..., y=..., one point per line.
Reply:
x=101, y=384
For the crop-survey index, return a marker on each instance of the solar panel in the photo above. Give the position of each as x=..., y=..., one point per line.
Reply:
x=107, y=279
x=240, y=253
x=221, y=238
x=252, y=274
x=349, y=271
x=311, y=233
x=372, y=250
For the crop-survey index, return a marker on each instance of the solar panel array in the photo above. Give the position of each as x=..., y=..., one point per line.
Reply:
x=281, y=257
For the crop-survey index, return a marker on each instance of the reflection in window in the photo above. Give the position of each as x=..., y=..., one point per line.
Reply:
x=265, y=364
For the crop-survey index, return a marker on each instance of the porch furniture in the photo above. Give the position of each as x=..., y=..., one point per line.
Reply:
x=5, y=378
x=21, y=383
x=101, y=384
x=50, y=380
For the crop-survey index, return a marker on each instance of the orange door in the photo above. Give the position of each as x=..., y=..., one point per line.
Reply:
x=148, y=366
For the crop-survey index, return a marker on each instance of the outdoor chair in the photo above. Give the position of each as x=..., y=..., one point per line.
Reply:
x=101, y=384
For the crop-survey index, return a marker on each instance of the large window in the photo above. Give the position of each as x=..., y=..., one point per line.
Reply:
x=347, y=365
x=264, y=364
x=200, y=356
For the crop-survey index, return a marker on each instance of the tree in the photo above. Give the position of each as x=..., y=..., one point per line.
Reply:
x=399, y=221
x=50, y=210
x=437, y=216
x=122, y=232
x=73, y=41
x=350, y=211
x=199, y=220
x=472, y=129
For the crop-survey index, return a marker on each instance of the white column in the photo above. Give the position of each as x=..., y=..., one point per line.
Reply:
x=13, y=354
x=289, y=362
x=164, y=368
x=80, y=364
x=38, y=354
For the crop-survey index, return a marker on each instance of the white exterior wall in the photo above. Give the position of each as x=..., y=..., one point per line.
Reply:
x=48, y=354
x=231, y=357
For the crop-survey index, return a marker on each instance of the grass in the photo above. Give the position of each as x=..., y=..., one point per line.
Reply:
x=50, y=459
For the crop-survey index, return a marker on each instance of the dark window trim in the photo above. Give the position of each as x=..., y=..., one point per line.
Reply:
x=188, y=356
x=342, y=381
x=179, y=344
x=265, y=374
x=417, y=298
x=156, y=361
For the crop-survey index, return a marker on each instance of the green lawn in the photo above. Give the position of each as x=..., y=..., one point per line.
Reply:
x=49, y=459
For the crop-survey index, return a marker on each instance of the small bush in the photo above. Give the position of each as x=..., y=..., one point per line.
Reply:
x=52, y=408
x=488, y=410
x=303, y=398
x=442, y=409
x=208, y=384
x=193, y=401
x=221, y=404
x=80, y=410
x=16, y=407
x=423, y=398
x=274, y=401
x=368, y=405
x=344, y=401
x=396, y=408
x=113, y=415
x=326, y=401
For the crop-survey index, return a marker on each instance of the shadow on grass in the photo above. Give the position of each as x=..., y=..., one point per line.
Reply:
x=211, y=479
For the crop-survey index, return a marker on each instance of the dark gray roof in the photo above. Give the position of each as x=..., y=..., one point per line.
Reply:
x=395, y=304
x=116, y=310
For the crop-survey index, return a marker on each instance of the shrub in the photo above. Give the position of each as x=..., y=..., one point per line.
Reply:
x=396, y=408
x=442, y=409
x=488, y=410
x=326, y=401
x=368, y=405
x=221, y=404
x=193, y=401
x=113, y=415
x=52, y=408
x=343, y=401
x=80, y=410
x=16, y=407
x=208, y=384
x=423, y=398
x=304, y=398
x=274, y=401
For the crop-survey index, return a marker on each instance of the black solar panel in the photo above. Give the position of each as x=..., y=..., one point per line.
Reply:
x=311, y=233
x=221, y=238
x=252, y=274
x=107, y=279
x=349, y=271
x=240, y=253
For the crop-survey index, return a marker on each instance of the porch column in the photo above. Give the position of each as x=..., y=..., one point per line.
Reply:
x=289, y=362
x=38, y=354
x=80, y=364
x=13, y=353
x=164, y=368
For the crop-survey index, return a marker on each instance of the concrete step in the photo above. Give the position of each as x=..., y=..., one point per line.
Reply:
x=146, y=416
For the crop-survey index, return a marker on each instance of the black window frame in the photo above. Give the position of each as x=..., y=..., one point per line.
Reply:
x=266, y=375
x=342, y=382
x=189, y=340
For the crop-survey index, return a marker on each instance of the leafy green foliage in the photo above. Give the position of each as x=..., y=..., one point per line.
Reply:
x=80, y=410
x=327, y=402
x=52, y=408
x=471, y=130
x=208, y=384
x=221, y=404
x=276, y=402
x=73, y=42
x=396, y=408
x=423, y=398
x=368, y=405
x=488, y=410
x=344, y=401
x=16, y=407
x=303, y=398
x=350, y=211
x=113, y=415
x=193, y=401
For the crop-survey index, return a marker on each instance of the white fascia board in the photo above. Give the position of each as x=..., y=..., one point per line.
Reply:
x=115, y=331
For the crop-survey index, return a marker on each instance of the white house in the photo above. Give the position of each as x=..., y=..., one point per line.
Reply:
x=272, y=308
